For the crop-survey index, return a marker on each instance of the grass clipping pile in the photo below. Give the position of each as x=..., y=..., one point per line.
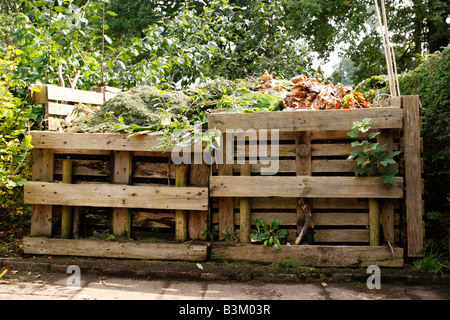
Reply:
x=148, y=108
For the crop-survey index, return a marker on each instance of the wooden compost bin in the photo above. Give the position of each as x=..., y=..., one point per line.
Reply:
x=313, y=146
x=123, y=188
x=111, y=184
x=64, y=104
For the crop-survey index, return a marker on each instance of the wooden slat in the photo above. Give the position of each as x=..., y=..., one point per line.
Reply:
x=120, y=196
x=341, y=235
x=389, y=117
x=153, y=170
x=311, y=255
x=317, y=166
x=55, y=93
x=153, y=220
x=337, y=203
x=122, y=171
x=226, y=209
x=98, y=168
x=341, y=219
x=181, y=216
x=92, y=141
x=413, y=179
x=317, y=203
x=58, y=109
x=40, y=96
x=114, y=249
x=320, y=218
x=386, y=137
x=42, y=168
x=303, y=186
x=317, y=150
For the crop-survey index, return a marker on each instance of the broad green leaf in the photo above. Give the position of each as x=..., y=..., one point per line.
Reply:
x=59, y=9
x=353, y=134
x=356, y=143
x=373, y=134
x=386, y=162
x=388, y=179
x=391, y=171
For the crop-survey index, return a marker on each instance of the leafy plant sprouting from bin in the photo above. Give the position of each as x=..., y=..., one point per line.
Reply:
x=268, y=234
x=369, y=155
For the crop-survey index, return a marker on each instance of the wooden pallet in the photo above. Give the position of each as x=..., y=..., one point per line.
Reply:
x=312, y=148
x=64, y=104
x=118, y=172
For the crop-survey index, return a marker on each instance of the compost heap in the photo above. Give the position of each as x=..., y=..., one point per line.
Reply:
x=148, y=108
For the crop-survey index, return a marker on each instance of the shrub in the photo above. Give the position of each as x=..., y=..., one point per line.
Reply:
x=430, y=81
x=15, y=144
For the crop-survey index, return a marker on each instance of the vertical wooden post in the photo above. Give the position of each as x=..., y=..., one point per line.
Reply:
x=121, y=217
x=66, y=213
x=226, y=205
x=374, y=222
x=198, y=220
x=42, y=170
x=386, y=137
x=413, y=178
x=245, y=209
x=181, y=220
x=302, y=168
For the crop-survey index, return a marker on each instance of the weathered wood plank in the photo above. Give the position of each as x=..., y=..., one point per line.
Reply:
x=66, y=211
x=153, y=170
x=317, y=166
x=413, y=179
x=389, y=117
x=341, y=235
x=153, y=220
x=311, y=255
x=42, y=163
x=320, y=218
x=122, y=171
x=55, y=93
x=58, y=109
x=114, y=249
x=304, y=186
x=81, y=167
x=92, y=141
x=120, y=196
x=374, y=222
x=181, y=218
x=317, y=203
x=317, y=150
x=198, y=221
x=226, y=209
x=245, y=210
x=386, y=137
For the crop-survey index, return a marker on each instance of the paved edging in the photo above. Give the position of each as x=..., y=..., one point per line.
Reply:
x=397, y=276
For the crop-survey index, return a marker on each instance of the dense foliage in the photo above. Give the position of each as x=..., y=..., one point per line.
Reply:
x=351, y=27
x=430, y=81
x=15, y=117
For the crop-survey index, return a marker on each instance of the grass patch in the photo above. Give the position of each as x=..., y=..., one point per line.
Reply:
x=290, y=266
x=435, y=259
